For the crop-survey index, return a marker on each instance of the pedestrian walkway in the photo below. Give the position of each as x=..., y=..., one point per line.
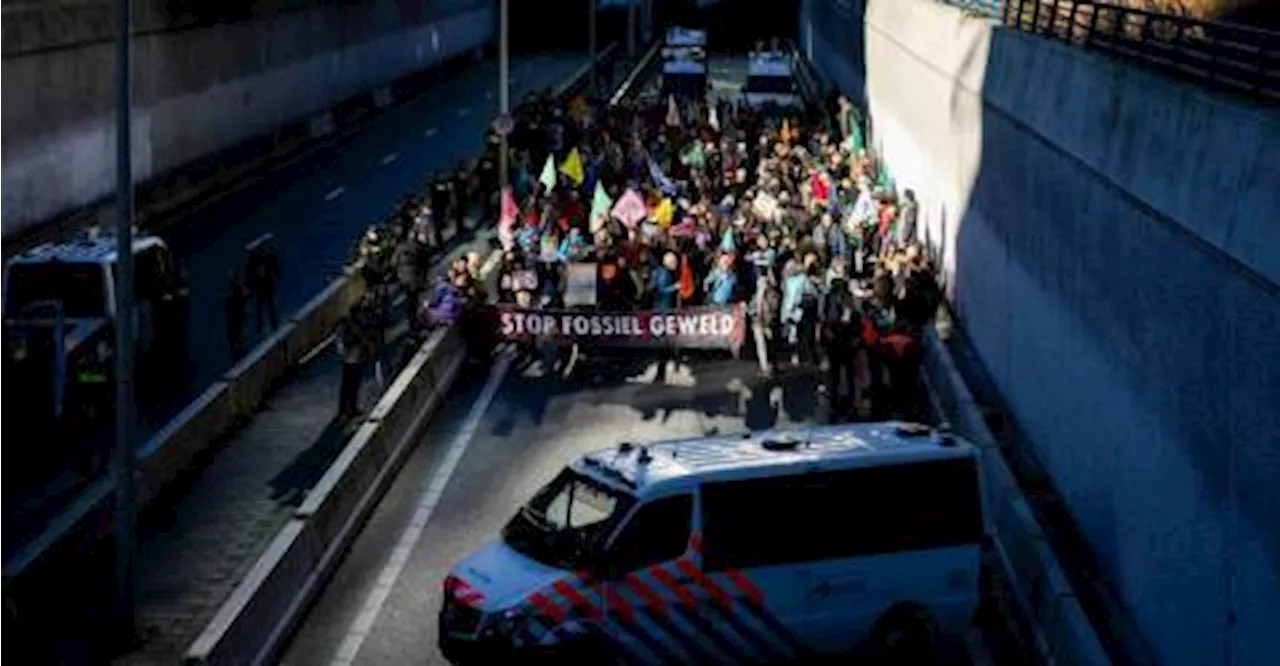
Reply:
x=198, y=546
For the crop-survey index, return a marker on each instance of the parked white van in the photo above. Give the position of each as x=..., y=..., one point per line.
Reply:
x=762, y=548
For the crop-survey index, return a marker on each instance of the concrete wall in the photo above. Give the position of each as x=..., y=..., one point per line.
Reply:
x=203, y=82
x=1112, y=245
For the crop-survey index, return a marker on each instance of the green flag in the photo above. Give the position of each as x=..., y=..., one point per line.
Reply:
x=883, y=180
x=548, y=177
x=694, y=156
x=601, y=204
x=854, y=143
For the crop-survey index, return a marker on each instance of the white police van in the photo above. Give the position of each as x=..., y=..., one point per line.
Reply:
x=771, y=80
x=760, y=548
x=684, y=62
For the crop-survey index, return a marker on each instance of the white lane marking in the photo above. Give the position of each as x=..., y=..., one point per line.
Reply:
x=429, y=133
x=488, y=94
x=335, y=193
x=462, y=113
x=389, y=158
x=426, y=505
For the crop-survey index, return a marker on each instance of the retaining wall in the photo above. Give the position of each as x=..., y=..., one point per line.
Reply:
x=203, y=82
x=1110, y=242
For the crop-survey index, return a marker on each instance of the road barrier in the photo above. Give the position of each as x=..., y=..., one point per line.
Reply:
x=1035, y=597
x=251, y=625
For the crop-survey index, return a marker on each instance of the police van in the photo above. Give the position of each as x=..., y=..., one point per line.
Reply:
x=59, y=308
x=762, y=548
x=684, y=62
x=771, y=79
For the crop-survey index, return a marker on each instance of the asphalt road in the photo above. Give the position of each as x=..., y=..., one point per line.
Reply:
x=492, y=446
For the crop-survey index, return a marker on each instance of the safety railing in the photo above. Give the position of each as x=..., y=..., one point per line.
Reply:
x=1222, y=55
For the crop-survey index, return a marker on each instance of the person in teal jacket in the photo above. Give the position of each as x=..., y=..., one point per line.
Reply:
x=721, y=282
x=666, y=283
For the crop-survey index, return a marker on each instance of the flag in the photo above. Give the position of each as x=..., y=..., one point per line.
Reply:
x=664, y=213
x=600, y=205
x=713, y=119
x=883, y=180
x=548, y=177
x=673, y=112
x=785, y=134
x=683, y=230
x=572, y=167
x=694, y=156
x=660, y=179
x=510, y=211
x=687, y=284
x=630, y=208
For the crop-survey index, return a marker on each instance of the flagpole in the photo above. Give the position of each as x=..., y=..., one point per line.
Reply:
x=504, y=90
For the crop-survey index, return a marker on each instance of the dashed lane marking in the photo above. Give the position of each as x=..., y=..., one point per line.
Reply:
x=429, y=133
x=462, y=113
x=335, y=193
x=427, y=502
x=389, y=158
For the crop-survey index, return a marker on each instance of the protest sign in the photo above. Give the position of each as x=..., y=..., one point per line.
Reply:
x=707, y=327
x=580, y=284
x=526, y=280
x=630, y=208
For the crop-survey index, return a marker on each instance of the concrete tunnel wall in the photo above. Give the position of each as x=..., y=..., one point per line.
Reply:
x=203, y=81
x=1112, y=247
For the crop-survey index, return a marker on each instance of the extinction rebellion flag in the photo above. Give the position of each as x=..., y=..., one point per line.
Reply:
x=709, y=327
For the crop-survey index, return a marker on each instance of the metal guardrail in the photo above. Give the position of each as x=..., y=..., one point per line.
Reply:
x=1234, y=57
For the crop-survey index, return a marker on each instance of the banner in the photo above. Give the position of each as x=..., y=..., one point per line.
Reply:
x=707, y=327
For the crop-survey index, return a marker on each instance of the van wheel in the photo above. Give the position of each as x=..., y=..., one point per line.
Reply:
x=905, y=634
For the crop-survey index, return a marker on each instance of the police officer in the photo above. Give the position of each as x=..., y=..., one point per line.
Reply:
x=488, y=186
x=234, y=304
x=462, y=194
x=353, y=349
x=442, y=205
x=263, y=269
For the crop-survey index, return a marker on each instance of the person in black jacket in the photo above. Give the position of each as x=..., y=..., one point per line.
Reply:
x=840, y=325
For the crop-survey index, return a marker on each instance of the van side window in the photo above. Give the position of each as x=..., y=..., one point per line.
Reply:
x=659, y=531
x=843, y=513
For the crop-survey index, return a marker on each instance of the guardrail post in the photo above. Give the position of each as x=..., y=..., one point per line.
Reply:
x=1070, y=22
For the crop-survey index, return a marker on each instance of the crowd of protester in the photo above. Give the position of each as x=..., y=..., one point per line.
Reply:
x=772, y=208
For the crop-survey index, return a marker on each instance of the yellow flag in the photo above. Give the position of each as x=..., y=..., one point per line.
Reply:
x=572, y=167
x=663, y=213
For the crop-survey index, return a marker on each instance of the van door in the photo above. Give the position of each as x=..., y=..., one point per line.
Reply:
x=653, y=605
x=752, y=546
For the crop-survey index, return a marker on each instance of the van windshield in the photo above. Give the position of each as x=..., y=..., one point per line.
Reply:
x=565, y=522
